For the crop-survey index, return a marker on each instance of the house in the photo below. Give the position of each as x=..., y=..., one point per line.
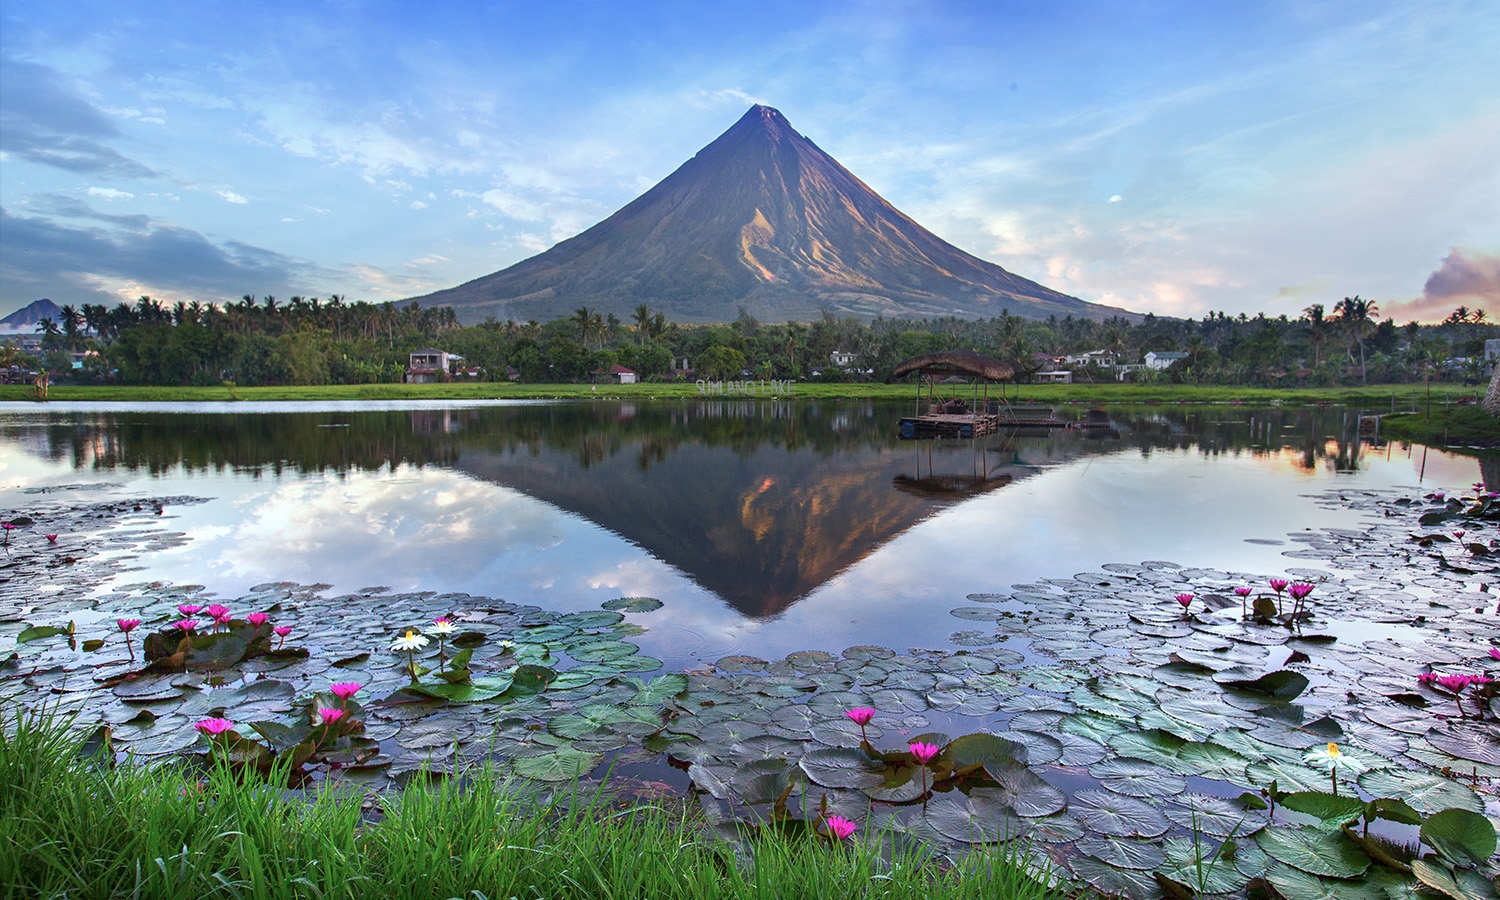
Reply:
x=1104, y=359
x=617, y=374
x=842, y=358
x=429, y=365
x=1052, y=369
x=1161, y=359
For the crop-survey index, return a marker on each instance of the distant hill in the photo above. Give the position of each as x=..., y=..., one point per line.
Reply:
x=760, y=219
x=25, y=319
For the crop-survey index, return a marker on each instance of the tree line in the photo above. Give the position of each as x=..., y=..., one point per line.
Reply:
x=311, y=341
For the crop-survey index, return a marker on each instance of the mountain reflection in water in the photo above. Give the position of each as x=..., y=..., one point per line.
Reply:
x=760, y=502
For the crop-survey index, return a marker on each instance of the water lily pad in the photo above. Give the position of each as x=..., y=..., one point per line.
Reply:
x=1314, y=851
x=1202, y=866
x=1110, y=813
x=1112, y=880
x=1125, y=853
x=980, y=818
x=1137, y=778
x=1333, y=811
x=633, y=604
x=1025, y=791
x=562, y=764
x=1461, y=835
x=1294, y=884
x=1283, y=685
x=1470, y=743
x=977, y=613
x=1425, y=792
x=1215, y=816
x=841, y=767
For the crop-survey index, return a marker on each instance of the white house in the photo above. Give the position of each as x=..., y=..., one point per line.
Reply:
x=1101, y=358
x=618, y=374
x=1161, y=359
x=841, y=358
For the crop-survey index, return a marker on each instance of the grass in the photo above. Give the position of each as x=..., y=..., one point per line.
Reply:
x=1467, y=426
x=1378, y=398
x=72, y=826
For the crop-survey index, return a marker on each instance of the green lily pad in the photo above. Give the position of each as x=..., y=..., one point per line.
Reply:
x=633, y=604
x=1202, y=866
x=1460, y=835
x=1137, y=778
x=562, y=764
x=1025, y=791
x=1284, y=685
x=38, y=632
x=1126, y=853
x=1294, y=884
x=842, y=767
x=1215, y=817
x=1426, y=792
x=1333, y=811
x=1110, y=813
x=1314, y=851
x=980, y=818
x=657, y=690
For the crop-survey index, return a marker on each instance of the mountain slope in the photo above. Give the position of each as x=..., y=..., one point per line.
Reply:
x=25, y=319
x=761, y=219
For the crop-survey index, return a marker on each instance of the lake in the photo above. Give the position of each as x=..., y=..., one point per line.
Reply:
x=764, y=527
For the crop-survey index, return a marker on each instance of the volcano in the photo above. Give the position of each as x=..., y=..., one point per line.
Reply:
x=765, y=221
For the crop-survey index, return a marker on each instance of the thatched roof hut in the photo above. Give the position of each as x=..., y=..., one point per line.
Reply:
x=958, y=362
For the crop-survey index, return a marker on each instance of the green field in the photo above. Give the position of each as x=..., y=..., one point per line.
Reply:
x=1375, y=398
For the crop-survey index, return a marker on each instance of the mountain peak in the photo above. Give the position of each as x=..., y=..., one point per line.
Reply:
x=759, y=220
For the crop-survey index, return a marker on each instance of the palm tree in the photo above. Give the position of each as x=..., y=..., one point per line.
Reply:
x=1317, y=330
x=1357, y=316
x=642, y=317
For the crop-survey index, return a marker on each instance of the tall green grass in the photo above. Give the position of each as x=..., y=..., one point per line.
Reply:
x=73, y=826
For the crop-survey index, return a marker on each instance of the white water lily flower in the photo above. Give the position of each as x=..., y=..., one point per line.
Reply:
x=1334, y=760
x=412, y=641
x=442, y=627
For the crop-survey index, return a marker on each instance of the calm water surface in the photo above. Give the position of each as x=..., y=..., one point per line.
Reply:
x=765, y=527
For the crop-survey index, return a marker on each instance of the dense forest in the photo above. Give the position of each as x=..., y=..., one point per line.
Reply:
x=312, y=341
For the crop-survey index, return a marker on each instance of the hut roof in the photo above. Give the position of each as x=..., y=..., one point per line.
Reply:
x=958, y=362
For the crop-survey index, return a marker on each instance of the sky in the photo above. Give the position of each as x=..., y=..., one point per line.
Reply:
x=1168, y=157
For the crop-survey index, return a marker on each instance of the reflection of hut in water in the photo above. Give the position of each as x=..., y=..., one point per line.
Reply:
x=954, y=416
x=955, y=484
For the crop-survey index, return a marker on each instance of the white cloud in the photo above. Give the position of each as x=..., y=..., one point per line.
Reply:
x=232, y=197
x=110, y=193
x=418, y=204
x=1115, y=199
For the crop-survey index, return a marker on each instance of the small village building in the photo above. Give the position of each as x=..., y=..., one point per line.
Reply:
x=617, y=374
x=430, y=365
x=1161, y=359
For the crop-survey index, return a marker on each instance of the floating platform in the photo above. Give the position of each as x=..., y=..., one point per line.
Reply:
x=949, y=425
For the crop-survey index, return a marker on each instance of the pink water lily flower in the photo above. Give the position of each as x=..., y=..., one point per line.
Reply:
x=1495, y=653
x=1185, y=600
x=51, y=538
x=1455, y=684
x=861, y=716
x=188, y=626
x=213, y=727
x=189, y=609
x=1427, y=678
x=257, y=619
x=128, y=625
x=282, y=631
x=217, y=611
x=345, y=689
x=1279, y=584
x=841, y=828
x=328, y=715
x=924, y=752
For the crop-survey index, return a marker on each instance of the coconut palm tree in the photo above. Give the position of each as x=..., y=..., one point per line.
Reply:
x=1317, y=330
x=1358, y=318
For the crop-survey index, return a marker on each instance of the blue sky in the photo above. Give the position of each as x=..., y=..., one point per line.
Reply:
x=1168, y=157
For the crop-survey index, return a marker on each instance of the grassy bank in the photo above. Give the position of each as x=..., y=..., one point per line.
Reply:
x=73, y=827
x=1377, y=398
x=1460, y=426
